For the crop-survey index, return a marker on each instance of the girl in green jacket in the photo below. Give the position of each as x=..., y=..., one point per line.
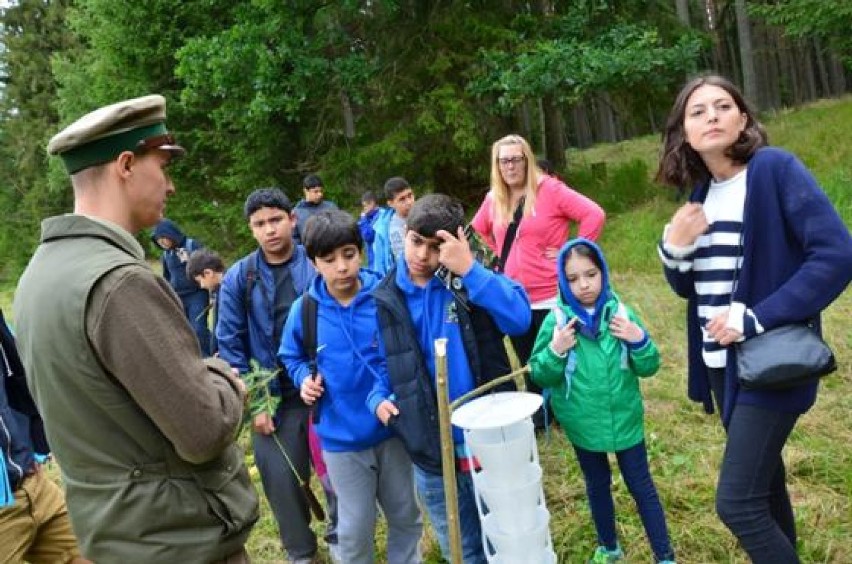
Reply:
x=589, y=353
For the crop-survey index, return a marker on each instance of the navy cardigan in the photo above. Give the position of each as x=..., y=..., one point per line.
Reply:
x=797, y=259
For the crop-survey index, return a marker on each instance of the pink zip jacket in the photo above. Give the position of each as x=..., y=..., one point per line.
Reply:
x=556, y=207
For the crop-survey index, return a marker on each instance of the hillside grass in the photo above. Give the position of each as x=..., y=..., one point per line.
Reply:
x=684, y=444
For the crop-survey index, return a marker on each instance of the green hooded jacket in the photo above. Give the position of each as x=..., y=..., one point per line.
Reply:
x=594, y=388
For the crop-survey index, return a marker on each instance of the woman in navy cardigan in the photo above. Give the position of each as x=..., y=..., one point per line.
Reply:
x=756, y=214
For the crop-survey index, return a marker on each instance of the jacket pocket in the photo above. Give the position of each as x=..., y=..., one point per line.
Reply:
x=229, y=494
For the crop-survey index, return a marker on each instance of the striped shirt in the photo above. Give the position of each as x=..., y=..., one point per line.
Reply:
x=714, y=258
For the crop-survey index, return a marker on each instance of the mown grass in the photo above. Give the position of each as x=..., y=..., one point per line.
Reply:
x=684, y=444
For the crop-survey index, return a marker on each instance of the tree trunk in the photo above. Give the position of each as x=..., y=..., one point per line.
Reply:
x=824, y=85
x=348, y=115
x=554, y=147
x=807, y=68
x=606, y=119
x=581, y=129
x=746, y=54
x=682, y=7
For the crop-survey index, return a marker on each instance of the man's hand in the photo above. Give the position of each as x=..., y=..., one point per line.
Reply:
x=564, y=338
x=385, y=411
x=263, y=424
x=687, y=224
x=455, y=252
x=312, y=389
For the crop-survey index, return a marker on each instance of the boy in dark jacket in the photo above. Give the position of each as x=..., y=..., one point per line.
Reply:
x=176, y=250
x=472, y=311
x=34, y=524
x=207, y=269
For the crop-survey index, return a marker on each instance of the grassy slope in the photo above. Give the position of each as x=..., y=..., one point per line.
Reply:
x=685, y=445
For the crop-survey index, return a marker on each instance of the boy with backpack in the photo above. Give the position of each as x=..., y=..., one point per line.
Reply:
x=176, y=247
x=255, y=298
x=207, y=269
x=335, y=368
x=389, y=224
x=469, y=305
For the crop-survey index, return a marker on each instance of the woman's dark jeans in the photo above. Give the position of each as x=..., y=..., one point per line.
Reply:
x=751, y=496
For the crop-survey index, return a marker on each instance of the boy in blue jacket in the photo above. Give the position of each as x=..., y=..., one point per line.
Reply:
x=365, y=462
x=415, y=307
x=177, y=247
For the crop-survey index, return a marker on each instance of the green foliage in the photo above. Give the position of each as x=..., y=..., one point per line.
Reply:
x=807, y=19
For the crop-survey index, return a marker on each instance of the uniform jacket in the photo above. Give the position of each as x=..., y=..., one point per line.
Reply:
x=349, y=360
x=594, y=388
x=245, y=329
x=411, y=318
x=797, y=259
x=142, y=427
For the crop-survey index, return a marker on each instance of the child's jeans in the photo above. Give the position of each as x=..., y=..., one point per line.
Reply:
x=633, y=463
x=430, y=488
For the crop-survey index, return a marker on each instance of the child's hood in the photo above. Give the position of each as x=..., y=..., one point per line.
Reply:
x=588, y=321
x=167, y=228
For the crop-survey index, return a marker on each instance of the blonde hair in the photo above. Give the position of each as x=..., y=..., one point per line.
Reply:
x=500, y=192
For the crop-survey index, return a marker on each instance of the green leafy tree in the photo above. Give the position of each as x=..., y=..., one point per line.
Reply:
x=31, y=32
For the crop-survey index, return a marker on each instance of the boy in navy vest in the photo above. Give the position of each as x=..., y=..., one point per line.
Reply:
x=472, y=310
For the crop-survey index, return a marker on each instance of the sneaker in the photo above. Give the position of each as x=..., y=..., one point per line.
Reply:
x=604, y=556
x=666, y=562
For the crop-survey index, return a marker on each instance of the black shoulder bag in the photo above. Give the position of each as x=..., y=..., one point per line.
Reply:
x=783, y=357
x=511, y=231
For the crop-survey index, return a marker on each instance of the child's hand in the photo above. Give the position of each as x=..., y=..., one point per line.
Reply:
x=455, y=251
x=385, y=411
x=312, y=389
x=564, y=338
x=624, y=329
x=263, y=424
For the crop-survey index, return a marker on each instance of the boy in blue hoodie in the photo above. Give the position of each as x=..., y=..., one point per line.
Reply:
x=472, y=310
x=365, y=462
x=176, y=250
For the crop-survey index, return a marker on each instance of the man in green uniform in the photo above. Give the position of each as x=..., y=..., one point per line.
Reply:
x=142, y=426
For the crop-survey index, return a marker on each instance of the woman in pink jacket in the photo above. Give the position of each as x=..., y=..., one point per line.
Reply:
x=549, y=207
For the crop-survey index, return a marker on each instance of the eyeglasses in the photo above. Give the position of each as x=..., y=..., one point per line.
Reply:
x=516, y=160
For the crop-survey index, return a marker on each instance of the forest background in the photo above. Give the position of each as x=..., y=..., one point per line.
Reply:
x=263, y=92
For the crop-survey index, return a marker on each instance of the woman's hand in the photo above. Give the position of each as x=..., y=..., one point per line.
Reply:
x=687, y=224
x=564, y=338
x=718, y=330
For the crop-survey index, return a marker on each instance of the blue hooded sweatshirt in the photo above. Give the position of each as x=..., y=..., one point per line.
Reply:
x=349, y=360
x=174, y=259
x=433, y=314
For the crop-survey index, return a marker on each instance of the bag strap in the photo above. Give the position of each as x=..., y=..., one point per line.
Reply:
x=511, y=231
x=251, y=278
x=309, y=331
x=309, y=340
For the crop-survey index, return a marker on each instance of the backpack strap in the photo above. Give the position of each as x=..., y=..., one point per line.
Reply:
x=511, y=231
x=251, y=278
x=309, y=338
